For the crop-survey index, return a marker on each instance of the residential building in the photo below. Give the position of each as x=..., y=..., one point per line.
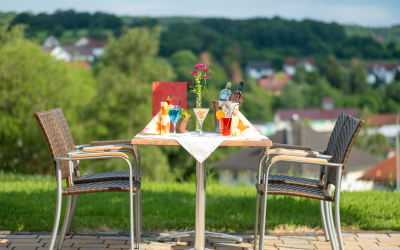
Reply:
x=382, y=175
x=292, y=63
x=384, y=124
x=258, y=69
x=274, y=83
x=242, y=166
x=385, y=72
x=320, y=119
x=85, y=49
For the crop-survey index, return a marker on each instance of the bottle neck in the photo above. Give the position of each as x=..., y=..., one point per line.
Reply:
x=240, y=87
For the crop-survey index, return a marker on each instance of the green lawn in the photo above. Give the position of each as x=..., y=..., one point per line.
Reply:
x=27, y=203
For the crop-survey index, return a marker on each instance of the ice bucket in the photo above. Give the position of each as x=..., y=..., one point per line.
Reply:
x=224, y=105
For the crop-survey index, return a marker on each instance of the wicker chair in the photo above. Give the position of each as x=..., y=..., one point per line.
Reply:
x=63, y=164
x=305, y=152
x=334, y=168
x=108, y=176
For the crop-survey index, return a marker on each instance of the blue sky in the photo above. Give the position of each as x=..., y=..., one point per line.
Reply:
x=362, y=12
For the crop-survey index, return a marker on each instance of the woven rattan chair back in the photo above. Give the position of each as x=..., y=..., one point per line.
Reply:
x=62, y=123
x=55, y=140
x=343, y=146
x=341, y=120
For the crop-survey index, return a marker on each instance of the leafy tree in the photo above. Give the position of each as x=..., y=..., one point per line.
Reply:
x=33, y=81
x=122, y=105
x=336, y=74
x=357, y=78
x=182, y=61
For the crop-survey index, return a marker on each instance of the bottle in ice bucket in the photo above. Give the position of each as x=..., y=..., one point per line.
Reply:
x=225, y=93
x=237, y=95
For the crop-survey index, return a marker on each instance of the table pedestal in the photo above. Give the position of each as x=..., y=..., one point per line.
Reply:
x=200, y=226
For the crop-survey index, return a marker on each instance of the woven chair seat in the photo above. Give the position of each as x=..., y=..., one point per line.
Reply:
x=108, y=176
x=97, y=187
x=295, y=181
x=279, y=189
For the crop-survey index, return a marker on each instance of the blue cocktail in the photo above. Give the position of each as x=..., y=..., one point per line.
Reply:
x=174, y=115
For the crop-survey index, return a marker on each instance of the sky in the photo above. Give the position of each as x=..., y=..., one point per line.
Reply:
x=361, y=12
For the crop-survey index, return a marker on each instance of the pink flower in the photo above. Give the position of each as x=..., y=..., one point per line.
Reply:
x=206, y=70
x=207, y=77
x=194, y=73
x=199, y=65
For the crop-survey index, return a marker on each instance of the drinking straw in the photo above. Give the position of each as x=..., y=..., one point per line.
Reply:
x=233, y=109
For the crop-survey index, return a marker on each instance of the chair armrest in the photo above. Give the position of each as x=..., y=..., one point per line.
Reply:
x=99, y=155
x=82, y=146
x=108, y=148
x=316, y=161
x=279, y=145
x=293, y=152
x=102, y=143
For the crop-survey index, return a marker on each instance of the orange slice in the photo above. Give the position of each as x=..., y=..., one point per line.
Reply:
x=220, y=114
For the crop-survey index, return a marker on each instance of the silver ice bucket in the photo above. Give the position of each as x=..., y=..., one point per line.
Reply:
x=225, y=106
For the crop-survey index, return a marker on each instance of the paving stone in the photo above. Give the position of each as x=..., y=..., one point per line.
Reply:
x=229, y=248
x=64, y=248
x=24, y=248
x=298, y=238
x=270, y=237
x=88, y=245
x=116, y=242
x=394, y=235
x=180, y=247
x=349, y=239
x=367, y=239
x=109, y=233
x=360, y=243
x=302, y=242
x=22, y=233
x=12, y=236
x=87, y=248
x=26, y=245
x=380, y=247
x=362, y=235
x=288, y=246
x=119, y=246
x=389, y=243
x=5, y=232
x=20, y=240
x=326, y=243
x=388, y=239
x=114, y=238
x=85, y=237
x=221, y=240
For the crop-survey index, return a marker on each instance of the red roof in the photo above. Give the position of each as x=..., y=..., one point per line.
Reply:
x=96, y=43
x=295, y=61
x=382, y=119
x=315, y=114
x=273, y=83
x=382, y=171
x=387, y=66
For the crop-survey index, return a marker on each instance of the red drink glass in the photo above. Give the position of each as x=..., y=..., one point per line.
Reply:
x=226, y=126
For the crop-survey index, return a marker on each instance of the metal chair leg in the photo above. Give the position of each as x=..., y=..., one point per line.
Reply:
x=333, y=225
x=256, y=222
x=329, y=225
x=66, y=219
x=72, y=216
x=337, y=209
x=58, y=206
x=323, y=219
x=138, y=218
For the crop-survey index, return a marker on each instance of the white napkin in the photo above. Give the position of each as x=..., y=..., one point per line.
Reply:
x=199, y=146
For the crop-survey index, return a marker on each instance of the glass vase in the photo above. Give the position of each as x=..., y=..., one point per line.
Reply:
x=198, y=105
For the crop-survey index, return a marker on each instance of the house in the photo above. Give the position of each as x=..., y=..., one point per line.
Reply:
x=385, y=72
x=274, y=83
x=320, y=119
x=384, y=124
x=242, y=166
x=258, y=69
x=382, y=175
x=292, y=63
x=85, y=49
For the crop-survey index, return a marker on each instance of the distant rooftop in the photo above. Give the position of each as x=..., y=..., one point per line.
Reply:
x=295, y=61
x=382, y=172
x=383, y=119
x=259, y=64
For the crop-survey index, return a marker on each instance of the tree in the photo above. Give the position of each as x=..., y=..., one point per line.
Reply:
x=357, y=77
x=33, y=81
x=122, y=106
x=183, y=61
x=336, y=74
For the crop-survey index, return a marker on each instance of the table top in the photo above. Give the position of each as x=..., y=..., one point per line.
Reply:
x=253, y=142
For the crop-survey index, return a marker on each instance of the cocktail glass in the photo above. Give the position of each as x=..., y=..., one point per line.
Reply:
x=226, y=126
x=201, y=115
x=174, y=115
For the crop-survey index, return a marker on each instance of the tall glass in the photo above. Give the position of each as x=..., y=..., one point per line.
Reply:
x=226, y=126
x=201, y=115
x=174, y=115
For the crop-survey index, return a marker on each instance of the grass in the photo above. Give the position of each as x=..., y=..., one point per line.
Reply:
x=27, y=203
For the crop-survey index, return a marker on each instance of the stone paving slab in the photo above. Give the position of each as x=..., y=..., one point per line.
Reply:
x=120, y=240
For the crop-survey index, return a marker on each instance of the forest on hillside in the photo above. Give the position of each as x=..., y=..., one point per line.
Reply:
x=257, y=38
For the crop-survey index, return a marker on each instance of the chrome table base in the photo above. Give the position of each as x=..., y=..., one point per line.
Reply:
x=200, y=223
x=227, y=236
